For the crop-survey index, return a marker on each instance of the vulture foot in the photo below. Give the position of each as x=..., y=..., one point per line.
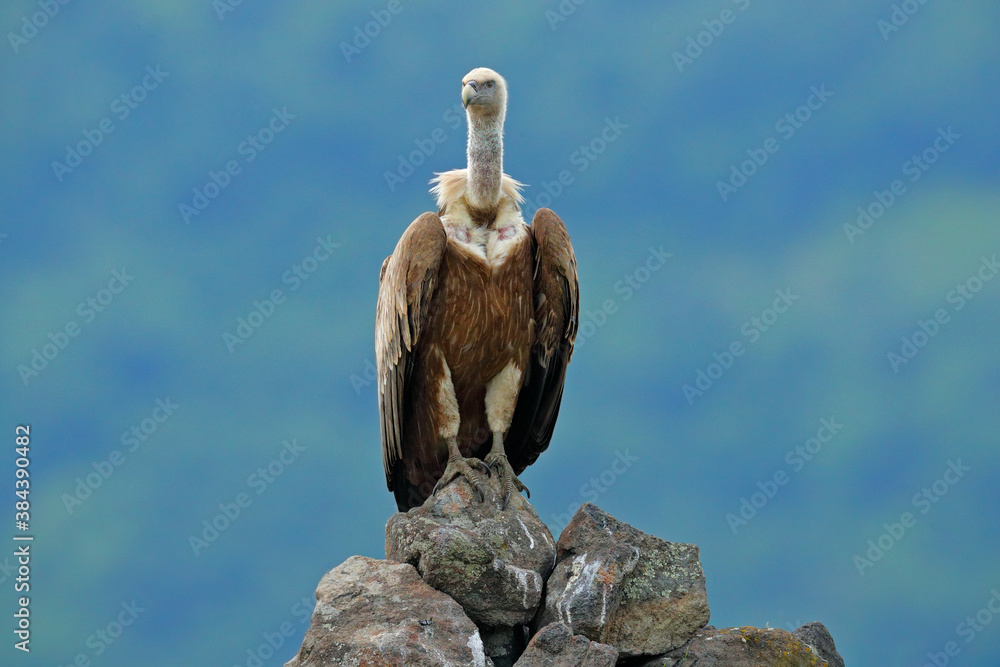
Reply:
x=498, y=463
x=460, y=466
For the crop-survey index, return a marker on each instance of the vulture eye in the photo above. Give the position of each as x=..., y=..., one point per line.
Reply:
x=489, y=84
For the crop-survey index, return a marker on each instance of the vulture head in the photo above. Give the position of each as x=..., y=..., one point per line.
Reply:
x=484, y=93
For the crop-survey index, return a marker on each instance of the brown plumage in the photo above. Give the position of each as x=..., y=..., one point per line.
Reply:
x=476, y=319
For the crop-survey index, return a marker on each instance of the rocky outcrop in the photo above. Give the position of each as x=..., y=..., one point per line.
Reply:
x=494, y=563
x=376, y=612
x=468, y=583
x=618, y=586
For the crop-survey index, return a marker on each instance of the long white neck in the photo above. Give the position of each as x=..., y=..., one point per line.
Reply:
x=485, y=155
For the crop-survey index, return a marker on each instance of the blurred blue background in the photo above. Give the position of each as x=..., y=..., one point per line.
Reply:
x=739, y=137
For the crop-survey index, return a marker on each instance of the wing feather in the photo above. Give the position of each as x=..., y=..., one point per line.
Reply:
x=406, y=288
x=557, y=305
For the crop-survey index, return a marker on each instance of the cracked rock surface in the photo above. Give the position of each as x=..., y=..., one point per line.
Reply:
x=493, y=562
x=619, y=586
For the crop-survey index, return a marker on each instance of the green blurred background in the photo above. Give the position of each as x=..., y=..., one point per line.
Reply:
x=684, y=95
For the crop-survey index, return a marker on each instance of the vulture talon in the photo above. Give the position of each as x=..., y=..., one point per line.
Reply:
x=508, y=480
x=465, y=468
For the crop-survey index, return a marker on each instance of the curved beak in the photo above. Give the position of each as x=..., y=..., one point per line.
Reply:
x=469, y=92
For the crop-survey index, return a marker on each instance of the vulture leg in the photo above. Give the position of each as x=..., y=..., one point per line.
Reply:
x=448, y=431
x=501, y=397
x=459, y=465
x=496, y=461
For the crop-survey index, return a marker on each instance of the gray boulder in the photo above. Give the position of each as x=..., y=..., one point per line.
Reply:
x=818, y=637
x=493, y=562
x=619, y=586
x=376, y=612
x=555, y=645
x=740, y=647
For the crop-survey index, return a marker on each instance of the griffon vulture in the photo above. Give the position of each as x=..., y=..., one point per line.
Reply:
x=475, y=324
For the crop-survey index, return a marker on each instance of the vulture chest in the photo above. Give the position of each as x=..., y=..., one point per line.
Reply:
x=482, y=316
